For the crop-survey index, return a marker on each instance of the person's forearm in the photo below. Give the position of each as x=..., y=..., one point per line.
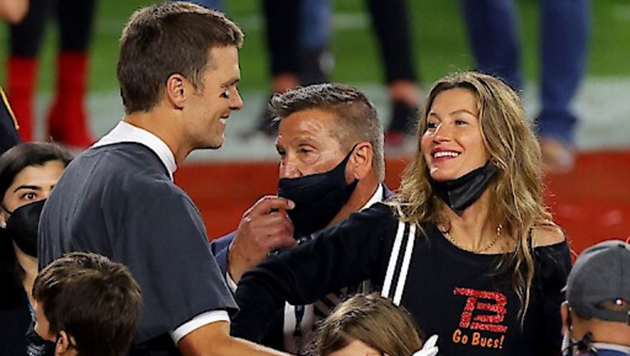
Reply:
x=237, y=346
x=339, y=257
x=258, y=299
x=231, y=346
x=213, y=340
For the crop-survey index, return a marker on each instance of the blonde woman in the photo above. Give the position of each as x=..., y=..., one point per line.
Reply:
x=467, y=245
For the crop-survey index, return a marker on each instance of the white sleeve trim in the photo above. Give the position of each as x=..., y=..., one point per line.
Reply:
x=230, y=282
x=197, y=322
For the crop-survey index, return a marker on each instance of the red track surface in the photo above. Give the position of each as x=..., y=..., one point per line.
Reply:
x=592, y=203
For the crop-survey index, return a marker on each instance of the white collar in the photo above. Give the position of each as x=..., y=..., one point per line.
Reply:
x=125, y=132
x=377, y=197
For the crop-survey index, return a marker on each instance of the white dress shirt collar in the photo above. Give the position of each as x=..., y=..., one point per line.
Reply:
x=125, y=132
x=376, y=198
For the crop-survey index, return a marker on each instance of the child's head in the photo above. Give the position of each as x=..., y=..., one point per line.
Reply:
x=368, y=325
x=87, y=305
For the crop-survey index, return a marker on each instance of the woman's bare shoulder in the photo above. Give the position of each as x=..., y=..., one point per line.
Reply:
x=546, y=235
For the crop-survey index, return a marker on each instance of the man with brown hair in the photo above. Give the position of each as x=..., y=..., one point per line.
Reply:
x=178, y=69
x=86, y=305
x=330, y=147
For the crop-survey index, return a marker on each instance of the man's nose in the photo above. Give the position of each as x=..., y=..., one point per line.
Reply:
x=236, y=102
x=289, y=169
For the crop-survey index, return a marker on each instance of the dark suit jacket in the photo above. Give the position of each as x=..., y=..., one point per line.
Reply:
x=8, y=125
x=219, y=248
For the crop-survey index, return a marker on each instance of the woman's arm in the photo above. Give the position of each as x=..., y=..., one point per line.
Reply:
x=345, y=255
x=553, y=263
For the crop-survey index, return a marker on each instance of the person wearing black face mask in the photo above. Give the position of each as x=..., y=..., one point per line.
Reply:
x=86, y=305
x=330, y=144
x=596, y=314
x=28, y=172
x=466, y=245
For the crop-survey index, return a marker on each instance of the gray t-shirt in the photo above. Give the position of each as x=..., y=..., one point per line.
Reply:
x=118, y=200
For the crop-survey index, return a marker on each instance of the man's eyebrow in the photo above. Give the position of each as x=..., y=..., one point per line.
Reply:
x=32, y=187
x=231, y=82
x=304, y=140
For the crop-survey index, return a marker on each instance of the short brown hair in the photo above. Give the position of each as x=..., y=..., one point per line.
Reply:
x=93, y=299
x=354, y=114
x=168, y=38
x=374, y=320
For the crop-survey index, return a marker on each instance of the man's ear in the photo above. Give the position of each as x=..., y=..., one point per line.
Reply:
x=63, y=345
x=361, y=160
x=564, y=314
x=177, y=90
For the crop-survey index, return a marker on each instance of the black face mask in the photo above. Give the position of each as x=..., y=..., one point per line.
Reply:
x=36, y=345
x=22, y=226
x=462, y=192
x=317, y=197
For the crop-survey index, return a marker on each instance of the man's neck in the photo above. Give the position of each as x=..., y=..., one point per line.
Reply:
x=362, y=194
x=604, y=332
x=164, y=127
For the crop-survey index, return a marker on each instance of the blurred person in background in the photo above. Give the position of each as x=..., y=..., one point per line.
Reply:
x=11, y=11
x=218, y=5
x=564, y=33
x=8, y=125
x=67, y=119
x=28, y=173
x=298, y=38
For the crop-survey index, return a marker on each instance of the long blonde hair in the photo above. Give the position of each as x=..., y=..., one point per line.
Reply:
x=515, y=192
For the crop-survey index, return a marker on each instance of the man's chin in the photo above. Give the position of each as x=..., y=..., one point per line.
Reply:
x=213, y=143
x=216, y=145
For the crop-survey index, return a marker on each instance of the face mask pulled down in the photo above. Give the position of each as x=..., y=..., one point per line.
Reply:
x=317, y=197
x=462, y=192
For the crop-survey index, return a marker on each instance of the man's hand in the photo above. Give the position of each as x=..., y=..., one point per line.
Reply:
x=263, y=228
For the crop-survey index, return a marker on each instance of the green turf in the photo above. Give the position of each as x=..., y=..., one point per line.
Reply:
x=439, y=41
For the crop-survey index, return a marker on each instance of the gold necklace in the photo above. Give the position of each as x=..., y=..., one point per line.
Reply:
x=448, y=236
